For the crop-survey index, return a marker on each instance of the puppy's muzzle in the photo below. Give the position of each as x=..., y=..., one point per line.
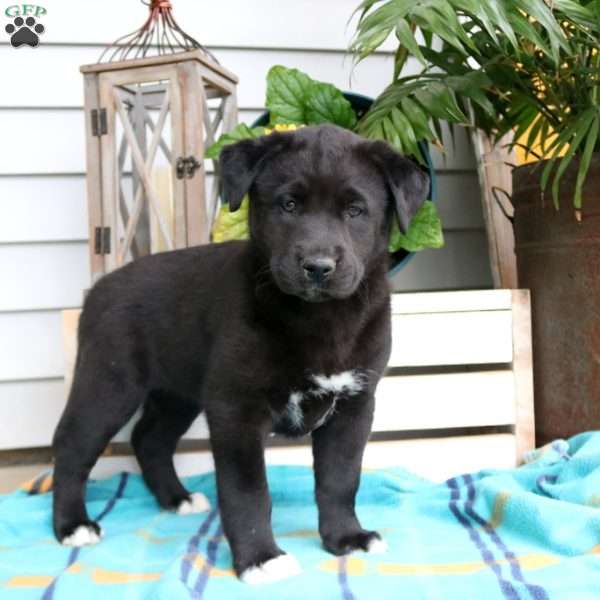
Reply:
x=318, y=270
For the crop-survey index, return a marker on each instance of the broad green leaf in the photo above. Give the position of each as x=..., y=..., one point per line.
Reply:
x=539, y=10
x=240, y=132
x=294, y=98
x=418, y=119
x=545, y=136
x=406, y=37
x=286, y=95
x=525, y=30
x=388, y=14
x=533, y=134
x=586, y=157
x=406, y=132
x=364, y=6
x=498, y=15
x=526, y=119
x=326, y=104
x=402, y=127
x=561, y=143
x=428, y=18
x=366, y=43
x=231, y=225
x=576, y=11
x=580, y=132
x=400, y=58
x=428, y=38
x=439, y=131
x=449, y=60
x=375, y=27
x=451, y=20
x=473, y=86
x=558, y=146
x=441, y=103
x=526, y=67
x=478, y=10
x=425, y=231
x=392, y=135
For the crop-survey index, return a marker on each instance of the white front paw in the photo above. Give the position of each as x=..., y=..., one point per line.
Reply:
x=278, y=568
x=84, y=535
x=377, y=546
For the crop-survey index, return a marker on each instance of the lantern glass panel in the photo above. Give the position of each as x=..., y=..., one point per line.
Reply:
x=145, y=217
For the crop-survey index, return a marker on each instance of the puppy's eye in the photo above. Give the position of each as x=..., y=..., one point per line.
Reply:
x=288, y=205
x=354, y=211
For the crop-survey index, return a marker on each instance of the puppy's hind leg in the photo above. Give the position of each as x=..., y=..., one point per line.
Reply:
x=165, y=419
x=98, y=407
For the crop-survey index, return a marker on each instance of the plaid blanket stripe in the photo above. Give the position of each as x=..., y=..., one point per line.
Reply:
x=524, y=534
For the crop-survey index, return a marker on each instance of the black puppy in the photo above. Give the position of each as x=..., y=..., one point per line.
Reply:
x=289, y=332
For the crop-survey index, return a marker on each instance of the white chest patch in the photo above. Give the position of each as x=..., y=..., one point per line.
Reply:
x=348, y=382
x=294, y=410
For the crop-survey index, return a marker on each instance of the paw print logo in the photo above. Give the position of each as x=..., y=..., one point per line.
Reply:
x=24, y=32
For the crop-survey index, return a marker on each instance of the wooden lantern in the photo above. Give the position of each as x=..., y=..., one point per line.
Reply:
x=148, y=122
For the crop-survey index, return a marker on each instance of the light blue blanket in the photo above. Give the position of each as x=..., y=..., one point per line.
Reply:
x=531, y=533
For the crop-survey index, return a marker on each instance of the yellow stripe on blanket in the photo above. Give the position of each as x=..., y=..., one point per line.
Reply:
x=200, y=563
x=29, y=581
x=500, y=503
x=103, y=576
x=75, y=568
x=300, y=533
x=526, y=562
x=441, y=569
x=96, y=574
x=154, y=539
x=40, y=484
x=354, y=566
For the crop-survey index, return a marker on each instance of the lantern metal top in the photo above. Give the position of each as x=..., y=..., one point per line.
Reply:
x=159, y=35
x=228, y=78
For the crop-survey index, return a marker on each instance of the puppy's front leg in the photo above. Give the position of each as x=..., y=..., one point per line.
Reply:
x=244, y=501
x=338, y=448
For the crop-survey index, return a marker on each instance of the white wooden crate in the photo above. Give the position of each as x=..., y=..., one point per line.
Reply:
x=458, y=396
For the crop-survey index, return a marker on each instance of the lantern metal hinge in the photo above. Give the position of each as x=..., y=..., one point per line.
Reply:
x=99, y=122
x=102, y=240
x=186, y=167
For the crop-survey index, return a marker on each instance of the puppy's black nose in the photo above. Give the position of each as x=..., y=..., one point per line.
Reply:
x=318, y=270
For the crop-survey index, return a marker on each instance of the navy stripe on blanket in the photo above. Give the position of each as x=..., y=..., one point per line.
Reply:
x=192, y=548
x=74, y=553
x=211, y=559
x=343, y=579
x=536, y=592
x=506, y=587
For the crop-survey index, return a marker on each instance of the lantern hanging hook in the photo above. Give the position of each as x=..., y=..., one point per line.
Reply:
x=159, y=35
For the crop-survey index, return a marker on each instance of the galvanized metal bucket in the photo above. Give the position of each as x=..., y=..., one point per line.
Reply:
x=559, y=261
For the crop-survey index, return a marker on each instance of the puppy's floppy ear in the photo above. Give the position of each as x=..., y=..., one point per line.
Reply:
x=408, y=184
x=241, y=163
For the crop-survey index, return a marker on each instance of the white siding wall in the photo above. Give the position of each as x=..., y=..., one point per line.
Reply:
x=43, y=220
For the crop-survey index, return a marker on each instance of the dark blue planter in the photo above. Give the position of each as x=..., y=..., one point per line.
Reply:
x=361, y=105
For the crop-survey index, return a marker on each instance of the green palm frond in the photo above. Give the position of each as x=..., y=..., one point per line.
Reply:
x=529, y=67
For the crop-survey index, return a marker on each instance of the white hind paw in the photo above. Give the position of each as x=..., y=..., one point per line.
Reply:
x=196, y=504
